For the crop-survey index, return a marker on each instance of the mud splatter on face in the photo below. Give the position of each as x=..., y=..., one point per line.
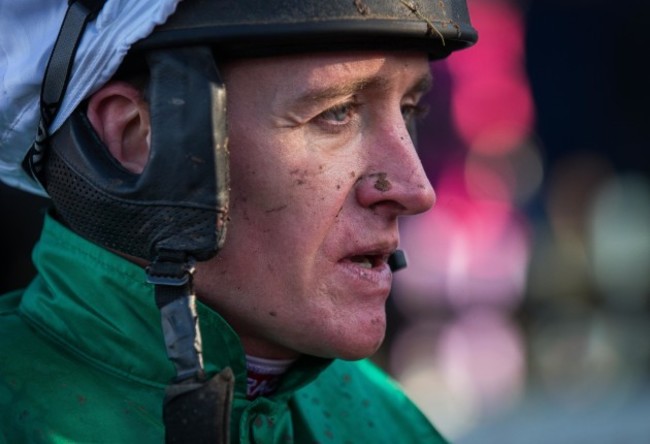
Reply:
x=382, y=183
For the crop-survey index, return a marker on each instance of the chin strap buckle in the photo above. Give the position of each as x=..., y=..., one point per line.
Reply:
x=170, y=271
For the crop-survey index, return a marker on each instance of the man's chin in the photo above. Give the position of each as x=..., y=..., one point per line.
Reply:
x=354, y=351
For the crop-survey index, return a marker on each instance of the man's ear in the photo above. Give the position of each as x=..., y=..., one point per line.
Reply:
x=120, y=116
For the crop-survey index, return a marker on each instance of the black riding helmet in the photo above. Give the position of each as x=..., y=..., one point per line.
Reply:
x=259, y=27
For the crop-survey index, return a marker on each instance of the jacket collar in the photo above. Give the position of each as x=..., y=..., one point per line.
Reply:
x=99, y=306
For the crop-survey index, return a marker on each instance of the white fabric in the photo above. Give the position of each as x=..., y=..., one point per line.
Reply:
x=266, y=366
x=28, y=30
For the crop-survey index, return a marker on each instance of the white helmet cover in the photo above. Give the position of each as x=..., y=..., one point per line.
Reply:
x=28, y=30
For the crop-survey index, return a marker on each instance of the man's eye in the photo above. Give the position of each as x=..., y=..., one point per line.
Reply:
x=414, y=112
x=339, y=114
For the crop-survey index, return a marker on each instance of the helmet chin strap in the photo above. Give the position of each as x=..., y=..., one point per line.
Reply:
x=195, y=409
x=173, y=213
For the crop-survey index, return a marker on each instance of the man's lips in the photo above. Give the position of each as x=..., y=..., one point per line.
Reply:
x=368, y=260
x=370, y=256
x=368, y=269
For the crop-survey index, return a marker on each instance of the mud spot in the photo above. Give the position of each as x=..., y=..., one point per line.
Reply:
x=362, y=8
x=382, y=183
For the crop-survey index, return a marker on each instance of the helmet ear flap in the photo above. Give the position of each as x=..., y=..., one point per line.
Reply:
x=144, y=214
x=189, y=143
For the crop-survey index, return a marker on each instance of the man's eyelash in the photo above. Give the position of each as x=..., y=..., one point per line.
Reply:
x=349, y=107
x=415, y=112
x=339, y=117
x=329, y=119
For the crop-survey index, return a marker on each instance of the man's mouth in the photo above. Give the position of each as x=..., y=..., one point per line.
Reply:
x=369, y=261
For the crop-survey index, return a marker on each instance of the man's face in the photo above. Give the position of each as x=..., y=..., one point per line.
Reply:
x=322, y=165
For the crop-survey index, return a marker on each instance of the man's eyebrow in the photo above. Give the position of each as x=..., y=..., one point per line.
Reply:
x=320, y=94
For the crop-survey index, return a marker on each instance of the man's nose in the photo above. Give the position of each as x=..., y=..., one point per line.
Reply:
x=395, y=182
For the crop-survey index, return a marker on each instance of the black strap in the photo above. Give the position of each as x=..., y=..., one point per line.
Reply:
x=59, y=67
x=172, y=276
x=195, y=409
x=57, y=74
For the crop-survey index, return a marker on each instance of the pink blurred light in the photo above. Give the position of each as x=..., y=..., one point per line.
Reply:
x=501, y=45
x=491, y=101
x=493, y=116
x=467, y=251
x=483, y=353
x=485, y=181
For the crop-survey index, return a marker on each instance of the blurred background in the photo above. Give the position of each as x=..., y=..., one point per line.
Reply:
x=524, y=315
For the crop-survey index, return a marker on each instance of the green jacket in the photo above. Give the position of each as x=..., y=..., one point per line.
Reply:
x=82, y=360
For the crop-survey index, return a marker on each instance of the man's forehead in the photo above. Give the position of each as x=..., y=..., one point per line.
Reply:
x=330, y=76
x=363, y=64
x=305, y=81
x=340, y=88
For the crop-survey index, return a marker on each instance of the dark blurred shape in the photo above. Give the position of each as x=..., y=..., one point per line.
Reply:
x=22, y=218
x=589, y=78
